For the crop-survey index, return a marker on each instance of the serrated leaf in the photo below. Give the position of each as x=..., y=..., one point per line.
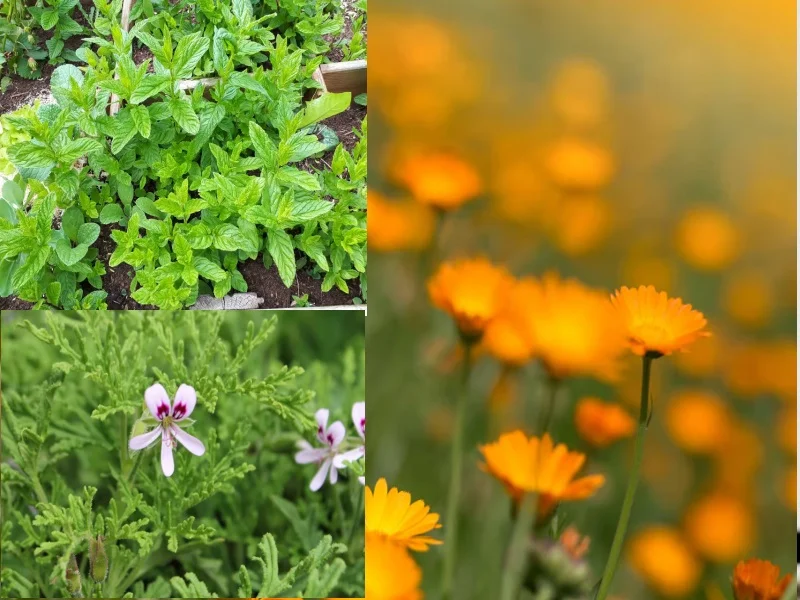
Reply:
x=281, y=249
x=30, y=267
x=74, y=149
x=208, y=269
x=306, y=210
x=295, y=178
x=227, y=238
x=149, y=86
x=324, y=107
x=48, y=18
x=184, y=115
x=71, y=220
x=246, y=81
x=264, y=147
x=69, y=255
x=188, y=53
x=141, y=120
x=31, y=155
x=88, y=233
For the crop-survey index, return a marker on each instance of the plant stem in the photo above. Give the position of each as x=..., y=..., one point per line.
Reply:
x=633, y=481
x=37, y=488
x=123, y=450
x=790, y=590
x=456, y=460
x=547, y=409
x=358, y=517
x=136, y=464
x=515, y=558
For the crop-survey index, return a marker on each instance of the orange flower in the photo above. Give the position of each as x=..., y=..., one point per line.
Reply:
x=580, y=165
x=698, y=421
x=506, y=337
x=663, y=559
x=574, y=329
x=398, y=225
x=576, y=545
x=758, y=580
x=391, y=573
x=707, y=239
x=537, y=466
x=720, y=527
x=601, y=424
x=391, y=514
x=439, y=179
x=471, y=291
x=657, y=325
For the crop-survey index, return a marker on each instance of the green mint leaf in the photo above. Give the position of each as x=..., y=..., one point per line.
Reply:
x=209, y=270
x=71, y=221
x=149, y=86
x=326, y=106
x=281, y=249
x=141, y=120
x=184, y=115
x=111, y=213
x=188, y=53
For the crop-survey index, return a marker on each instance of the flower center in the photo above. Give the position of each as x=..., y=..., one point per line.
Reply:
x=166, y=422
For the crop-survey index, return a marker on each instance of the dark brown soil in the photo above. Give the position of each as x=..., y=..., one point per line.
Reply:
x=14, y=303
x=344, y=125
x=23, y=91
x=117, y=280
x=267, y=284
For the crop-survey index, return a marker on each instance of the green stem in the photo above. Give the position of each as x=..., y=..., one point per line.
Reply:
x=548, y=407
x=135, y=468
x=358, y=517
x=37, y=488
x=517, y=550
x=123, y=450
x=454, y=493
x=633, y=481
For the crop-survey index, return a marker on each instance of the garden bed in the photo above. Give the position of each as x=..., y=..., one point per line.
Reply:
x=277, y=286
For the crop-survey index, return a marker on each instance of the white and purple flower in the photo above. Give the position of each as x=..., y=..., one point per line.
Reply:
x=168, y=416
x=331, y=438
x=359, y=414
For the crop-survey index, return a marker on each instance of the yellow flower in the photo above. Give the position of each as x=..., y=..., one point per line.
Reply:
x=758, y=580
x=582, y=223
x=391, y=573
x=537, y=466
x=391, y=514
x=698, y=421
x=707, y=239
x=471, y=291
x=656, y=324
x=601, y=424
x=580, y=92
x=506, y=337
x=720, y=527
x=439, y=179
x=663, y=559
x=398, y=225
x=574, y=329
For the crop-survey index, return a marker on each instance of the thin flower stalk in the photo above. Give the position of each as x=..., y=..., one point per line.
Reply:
x=517, y=548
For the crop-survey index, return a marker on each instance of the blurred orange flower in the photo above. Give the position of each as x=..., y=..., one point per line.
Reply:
x=698, y=421
x=747, y=297
x=602, y=423
x=574, y=329
x=536, y=465
x=579, y=165
x=574, y=543
x=442, y=180
x=657, y=324
x=391, y=514
x=756, y=579
x=391, y=573
x=720, y=527
x=398, y=224
x=471, y=291
x=707, y=239
x=705, y=357
x=506, y=337
x=661, y=556
x=580, y=92
x=582, y=223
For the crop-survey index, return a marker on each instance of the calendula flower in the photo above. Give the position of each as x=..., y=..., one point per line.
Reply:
x=391, y=514
x=359, y=414
x=574, y=329
x=439, y=179
x=661, y=556
x=471, y=291
x=168, y=416
x=756, y=579
x=657, y=325
x=601, y=424
x=720, y=526
x=398, y=225
x=538, y=466
x=391, y=573
x=506, y=337
x=331, y=438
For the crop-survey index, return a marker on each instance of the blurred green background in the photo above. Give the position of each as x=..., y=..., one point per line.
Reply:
x=621, y=143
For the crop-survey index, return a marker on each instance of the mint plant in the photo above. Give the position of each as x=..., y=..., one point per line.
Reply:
x=90, y=508
x=191, y=180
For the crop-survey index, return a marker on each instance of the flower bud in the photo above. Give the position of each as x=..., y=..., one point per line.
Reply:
x=98, y=559
x=73, y=577
x=553, y=567
x=32, y=63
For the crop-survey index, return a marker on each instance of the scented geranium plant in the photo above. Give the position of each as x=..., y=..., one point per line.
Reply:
x=152, y=455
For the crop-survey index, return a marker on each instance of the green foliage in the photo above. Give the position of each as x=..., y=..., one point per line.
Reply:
x=75, y=499
x=192, y=181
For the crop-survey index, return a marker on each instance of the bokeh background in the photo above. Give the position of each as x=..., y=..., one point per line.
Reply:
x=621, y=143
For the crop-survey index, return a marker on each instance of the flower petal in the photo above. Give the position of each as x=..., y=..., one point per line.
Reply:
x=322, y=423
x=308, y=455
x=319, y=478
x=350, y=456
x=335, y=434
x=185, y=400
x=359, y=414
x=362, y=480
x=191, y=443
x=334, y=475
x=157, y=401
x=167, y=460
x=140, y=442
